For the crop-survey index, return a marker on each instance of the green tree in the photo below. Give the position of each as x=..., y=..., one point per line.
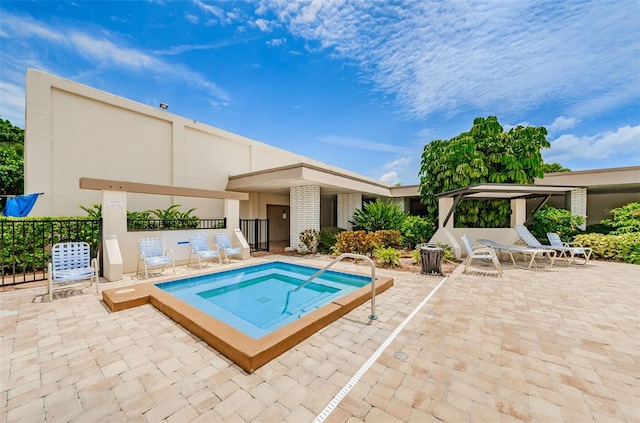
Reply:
x=554, y=168
x=485, y=154
x=378, y=215
x=11, y=160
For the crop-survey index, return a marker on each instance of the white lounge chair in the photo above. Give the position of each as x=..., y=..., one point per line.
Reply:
x=200, y=248
x=482, y=252
x=525, y=251
x=152, y=255
x=71, y=262
x=532, y=242
x=224, y=245
x=569, y=249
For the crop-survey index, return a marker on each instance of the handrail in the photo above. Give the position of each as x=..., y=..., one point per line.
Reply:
x=372, y=316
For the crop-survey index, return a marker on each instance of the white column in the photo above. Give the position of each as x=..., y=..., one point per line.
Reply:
x=347, y=204
x=304, y=210
x=576, y=202
x=518, y=212
x=444, y=205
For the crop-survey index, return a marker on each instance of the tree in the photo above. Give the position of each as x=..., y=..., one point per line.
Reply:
x=554, y=168
x=11, y=160
x=485, y=154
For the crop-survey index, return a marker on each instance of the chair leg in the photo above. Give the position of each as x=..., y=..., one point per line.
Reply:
x=50, y=269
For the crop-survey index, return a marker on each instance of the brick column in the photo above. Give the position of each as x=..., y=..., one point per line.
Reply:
x=576, y=202
x=347, y=204
x=305, y=211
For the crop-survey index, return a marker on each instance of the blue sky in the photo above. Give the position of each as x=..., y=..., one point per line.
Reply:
x=362, y=85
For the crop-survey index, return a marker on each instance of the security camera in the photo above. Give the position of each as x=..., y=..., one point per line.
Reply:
x=164, y=106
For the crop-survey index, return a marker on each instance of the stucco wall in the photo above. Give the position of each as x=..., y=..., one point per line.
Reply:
x=75, y=131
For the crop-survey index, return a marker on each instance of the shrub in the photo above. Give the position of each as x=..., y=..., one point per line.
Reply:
x=378, y=215
x=598, y=228
x=356, y=242
x=625, y=219
x=387, y=238
x=625, y=247
x=416, y=230
x=309, y=241
x=386, y=257
x=560, y=221
x=327, y=238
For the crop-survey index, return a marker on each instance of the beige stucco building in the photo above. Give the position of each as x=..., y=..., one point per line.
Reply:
x=74, y=131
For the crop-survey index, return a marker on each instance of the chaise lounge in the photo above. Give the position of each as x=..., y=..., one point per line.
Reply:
x=524, y=251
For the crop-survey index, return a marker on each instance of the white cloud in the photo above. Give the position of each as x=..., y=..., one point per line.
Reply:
x=263, y=25
x=12, y=103
x=390, y=178
x=276, y=42
x=402, y=163
x=192, y=18
x=600, y=149
x=561, y=123
x=361, y=144
x=503, y=56
x=104, y=53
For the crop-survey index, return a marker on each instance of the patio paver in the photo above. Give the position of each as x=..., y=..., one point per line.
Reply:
x=553, y=345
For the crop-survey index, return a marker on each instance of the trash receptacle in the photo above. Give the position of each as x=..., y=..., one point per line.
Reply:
x=431, y=258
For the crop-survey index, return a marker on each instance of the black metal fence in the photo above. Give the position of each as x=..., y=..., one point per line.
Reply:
x=25, y=245
x=136, y=225
x=256, y=232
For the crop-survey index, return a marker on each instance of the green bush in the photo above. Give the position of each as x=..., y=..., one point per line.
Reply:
x=327, y=239
x=386, y=257
x=416, y=230
x=560, y=221
x=624, y=247
x=598, y=228
x=378, y=215
x=625, y=219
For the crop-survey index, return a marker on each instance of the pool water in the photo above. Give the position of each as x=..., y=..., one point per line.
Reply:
x=258, y=300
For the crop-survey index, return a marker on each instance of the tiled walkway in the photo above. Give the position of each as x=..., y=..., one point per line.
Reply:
x=559, y=345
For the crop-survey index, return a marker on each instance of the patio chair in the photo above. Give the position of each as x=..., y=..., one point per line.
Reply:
x=200, y=248
x=571, y=248
x=532, y=242
x=524, y=251
x=71, y=262
x=482, y=252
x=224, y=246
x=152, y=255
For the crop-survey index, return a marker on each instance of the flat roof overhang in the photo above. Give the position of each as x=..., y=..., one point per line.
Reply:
x=502, y=192
x=279, y=180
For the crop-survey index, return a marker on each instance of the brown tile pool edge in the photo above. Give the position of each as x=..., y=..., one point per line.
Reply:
x=245, y=351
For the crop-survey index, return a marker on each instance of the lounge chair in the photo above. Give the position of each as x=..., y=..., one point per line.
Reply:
x=71, y=262
x=224, y=246
x=482, y=252
x=532, y=242
x=569, y=249
x=525, y=251
x=200, y=248
x=152, y=255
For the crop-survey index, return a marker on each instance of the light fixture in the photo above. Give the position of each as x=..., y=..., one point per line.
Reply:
x=164, y=106
x=284, y=214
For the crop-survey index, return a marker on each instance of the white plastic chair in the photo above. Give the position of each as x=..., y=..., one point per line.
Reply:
x=482, y=252
x=200, y=248
x=152, y=255
x=572, y=248
x=224, y=245
x=71, y=262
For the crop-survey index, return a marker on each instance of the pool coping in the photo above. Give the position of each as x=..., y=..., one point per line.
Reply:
x=247, y=352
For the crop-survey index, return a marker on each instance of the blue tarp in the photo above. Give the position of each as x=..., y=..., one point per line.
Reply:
x=20, y=206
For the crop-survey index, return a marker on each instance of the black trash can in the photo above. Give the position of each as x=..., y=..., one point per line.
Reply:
x=431, y=258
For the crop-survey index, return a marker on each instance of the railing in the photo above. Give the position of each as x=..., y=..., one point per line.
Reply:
x=25, y=245
x=256, y=232
x=372, y=316
x=139, y=225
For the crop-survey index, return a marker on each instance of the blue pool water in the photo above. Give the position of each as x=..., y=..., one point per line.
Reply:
x=260, y=299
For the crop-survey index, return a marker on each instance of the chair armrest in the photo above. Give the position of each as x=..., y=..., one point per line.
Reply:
x=573, y=244
x=169, y=253
x=484, y=249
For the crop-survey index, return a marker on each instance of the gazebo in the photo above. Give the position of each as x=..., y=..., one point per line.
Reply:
x=517, y=194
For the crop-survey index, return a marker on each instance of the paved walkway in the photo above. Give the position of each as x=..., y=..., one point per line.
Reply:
x=559, y=345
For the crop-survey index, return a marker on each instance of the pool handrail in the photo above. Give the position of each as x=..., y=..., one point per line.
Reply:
x=372, y=316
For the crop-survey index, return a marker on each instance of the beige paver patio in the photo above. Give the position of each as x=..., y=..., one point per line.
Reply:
x=554, y=345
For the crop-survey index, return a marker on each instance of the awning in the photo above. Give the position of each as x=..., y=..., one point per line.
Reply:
x=502, y=192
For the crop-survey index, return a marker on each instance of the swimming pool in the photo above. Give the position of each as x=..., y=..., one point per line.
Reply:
x=259, y=299
x=268, y=321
